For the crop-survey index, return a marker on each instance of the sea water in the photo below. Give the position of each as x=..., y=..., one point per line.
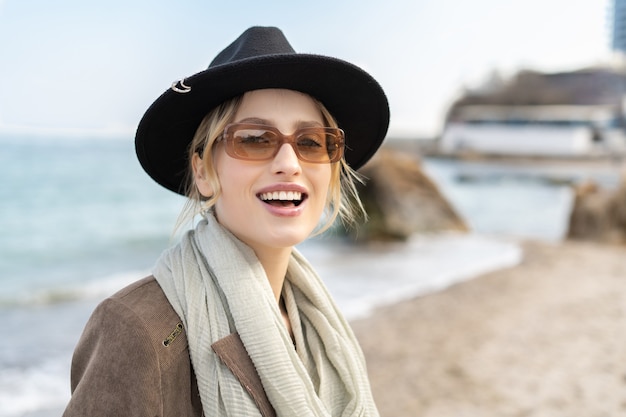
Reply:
x=79, y=219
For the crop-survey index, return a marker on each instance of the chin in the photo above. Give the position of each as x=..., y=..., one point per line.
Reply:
x=282, y=238
x=288, y=240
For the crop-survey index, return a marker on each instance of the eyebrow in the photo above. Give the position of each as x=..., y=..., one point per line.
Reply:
x=299, y=124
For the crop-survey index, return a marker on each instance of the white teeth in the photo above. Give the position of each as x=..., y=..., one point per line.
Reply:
x=282, y=195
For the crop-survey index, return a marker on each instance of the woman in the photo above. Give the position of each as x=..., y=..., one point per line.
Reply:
x=235, y=321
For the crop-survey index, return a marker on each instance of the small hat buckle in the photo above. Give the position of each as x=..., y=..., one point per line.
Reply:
x=183, y=89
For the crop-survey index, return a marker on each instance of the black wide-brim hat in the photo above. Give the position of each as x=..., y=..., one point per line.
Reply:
x=260, y=58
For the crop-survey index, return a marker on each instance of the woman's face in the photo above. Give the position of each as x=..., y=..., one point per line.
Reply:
x=245, y=206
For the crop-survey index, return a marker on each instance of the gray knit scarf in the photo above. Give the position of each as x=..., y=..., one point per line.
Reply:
x=217, y=286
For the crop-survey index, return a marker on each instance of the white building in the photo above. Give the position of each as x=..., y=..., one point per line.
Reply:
x=533, y=130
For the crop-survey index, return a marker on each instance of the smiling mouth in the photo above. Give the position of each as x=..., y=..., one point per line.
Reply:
x=283, y=198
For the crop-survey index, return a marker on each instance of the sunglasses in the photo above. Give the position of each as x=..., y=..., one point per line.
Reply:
x=253, y=142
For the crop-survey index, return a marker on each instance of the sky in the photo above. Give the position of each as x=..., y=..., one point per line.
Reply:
x=81, y=67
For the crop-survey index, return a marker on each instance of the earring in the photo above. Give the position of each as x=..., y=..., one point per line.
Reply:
x=205, y=208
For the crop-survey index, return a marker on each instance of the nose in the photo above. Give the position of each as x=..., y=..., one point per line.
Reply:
x=286, y=161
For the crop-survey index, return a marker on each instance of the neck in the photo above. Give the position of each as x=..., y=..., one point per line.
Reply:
x=274, y=262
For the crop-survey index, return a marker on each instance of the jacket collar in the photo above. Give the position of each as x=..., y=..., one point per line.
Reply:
x=233, y=354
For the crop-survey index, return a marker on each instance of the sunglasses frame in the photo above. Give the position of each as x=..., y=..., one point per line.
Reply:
x=229, y=138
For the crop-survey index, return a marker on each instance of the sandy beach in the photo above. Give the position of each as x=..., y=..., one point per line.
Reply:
x=544, y=338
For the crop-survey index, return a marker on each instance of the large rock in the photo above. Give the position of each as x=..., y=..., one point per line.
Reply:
x=402, y=200
x=599, y=214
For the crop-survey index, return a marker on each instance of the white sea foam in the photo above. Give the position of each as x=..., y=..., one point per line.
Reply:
x=359, y=277
x=41, y=390
x=90, y=290
x=379, y=274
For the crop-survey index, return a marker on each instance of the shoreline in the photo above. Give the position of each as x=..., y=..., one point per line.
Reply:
x=543, y=338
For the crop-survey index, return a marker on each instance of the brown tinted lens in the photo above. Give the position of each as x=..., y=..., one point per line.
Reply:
x=311, y=145
x=254, y=143
x=319, y=144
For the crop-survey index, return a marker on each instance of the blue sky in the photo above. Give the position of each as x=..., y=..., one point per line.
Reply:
x=80, y=67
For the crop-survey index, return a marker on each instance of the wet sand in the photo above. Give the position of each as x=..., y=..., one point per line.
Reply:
x=544, y=338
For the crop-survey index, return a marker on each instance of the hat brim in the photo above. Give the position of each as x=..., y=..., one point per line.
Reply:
x=352, y=96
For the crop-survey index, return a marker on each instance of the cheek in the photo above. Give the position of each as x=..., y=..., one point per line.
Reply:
x=225, y=177
x=224, y=169
x=322, y=181
x=235, y=178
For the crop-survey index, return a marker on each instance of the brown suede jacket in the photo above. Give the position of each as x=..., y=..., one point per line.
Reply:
x=132, y=360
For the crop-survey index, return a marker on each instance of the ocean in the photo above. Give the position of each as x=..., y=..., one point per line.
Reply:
x=79, y=219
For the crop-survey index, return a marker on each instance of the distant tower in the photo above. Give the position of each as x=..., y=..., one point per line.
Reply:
x=618, y=38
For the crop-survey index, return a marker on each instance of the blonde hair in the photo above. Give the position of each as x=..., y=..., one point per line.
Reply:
x=342, y=200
